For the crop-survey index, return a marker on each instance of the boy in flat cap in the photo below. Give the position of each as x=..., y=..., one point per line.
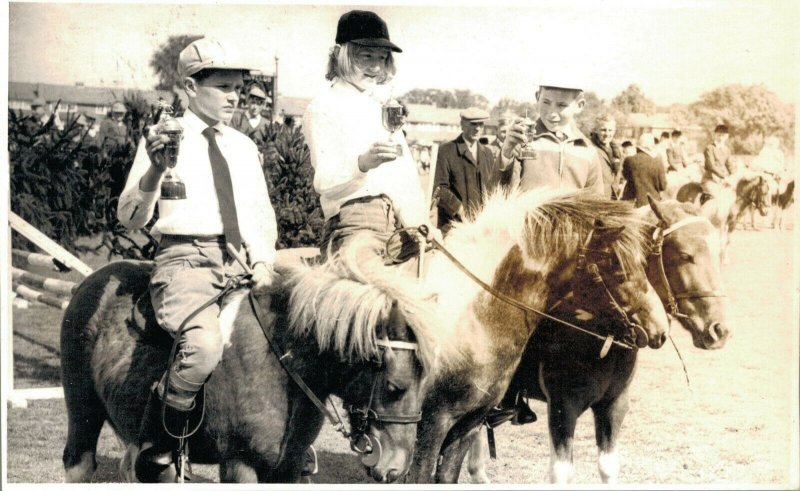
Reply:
x=561, y=156
x=465, y=171
x=113, y=131
x=365, y=183
x=226, y=202
x=250, y=122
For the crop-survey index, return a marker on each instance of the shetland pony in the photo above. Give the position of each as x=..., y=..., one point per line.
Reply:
x=534, y=247
x=357, y=330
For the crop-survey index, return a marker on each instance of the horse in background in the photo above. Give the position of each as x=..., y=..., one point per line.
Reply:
x=530, y=249
x=782, y=201
x=563, y=369
x=737, y=194
x=360, y=331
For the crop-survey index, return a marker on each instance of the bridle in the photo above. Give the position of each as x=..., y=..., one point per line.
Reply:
x=360, y=417
x=662, y=230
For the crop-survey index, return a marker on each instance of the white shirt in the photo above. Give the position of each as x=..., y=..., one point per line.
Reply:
x=199, y=213
x=254, y=122
x=340, y=125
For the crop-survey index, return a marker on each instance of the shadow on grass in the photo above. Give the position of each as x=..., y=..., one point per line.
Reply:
x=35, y=371
x=50, y=349
x=333, y=468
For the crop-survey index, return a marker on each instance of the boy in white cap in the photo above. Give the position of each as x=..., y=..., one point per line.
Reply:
x=226, y=202
x=559, y=155
x=113, y=130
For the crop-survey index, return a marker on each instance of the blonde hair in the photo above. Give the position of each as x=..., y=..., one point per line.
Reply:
x=342, y=63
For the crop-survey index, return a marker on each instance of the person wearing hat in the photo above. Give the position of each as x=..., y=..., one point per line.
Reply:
x=559, y=155
x=465, y=172
x=226, y=203
x=38, y=106
x=250, y=122
x=676, y=152
x=113, y=131
x=496, y=146
x=366, y=177
x=718, y=162
x=644, y=173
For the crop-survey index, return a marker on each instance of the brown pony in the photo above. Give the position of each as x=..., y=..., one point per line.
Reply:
x=563, y=368
x=360, y=331
x=532, y=248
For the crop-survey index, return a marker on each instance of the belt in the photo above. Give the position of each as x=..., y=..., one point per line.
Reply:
x=192, y=238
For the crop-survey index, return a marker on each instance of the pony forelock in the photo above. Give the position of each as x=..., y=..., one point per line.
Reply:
x=341, y=302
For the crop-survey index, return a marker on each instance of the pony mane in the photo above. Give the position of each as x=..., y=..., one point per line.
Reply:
x=342, y=301
x=548, y=224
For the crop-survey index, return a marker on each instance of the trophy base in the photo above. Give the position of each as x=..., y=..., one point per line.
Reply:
x=173, y=190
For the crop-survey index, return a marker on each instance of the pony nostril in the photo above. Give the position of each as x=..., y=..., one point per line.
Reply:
x=719, y=331
x=392, y=475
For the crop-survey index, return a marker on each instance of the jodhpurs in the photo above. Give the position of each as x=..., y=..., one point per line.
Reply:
x=188, y=273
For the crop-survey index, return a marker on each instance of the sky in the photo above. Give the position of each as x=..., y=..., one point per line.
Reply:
x=674, y=50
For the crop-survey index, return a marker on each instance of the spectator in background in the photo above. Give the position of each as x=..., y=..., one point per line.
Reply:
x=497, y=145
x=663, y=145
x=718, y=163
x=425, y=159
x=628, y=150
x=643, y=173
x=113, y=131
x=250, y=121
x=676, y=152
x=42, y=113
x=605, y=127
x=465, y=171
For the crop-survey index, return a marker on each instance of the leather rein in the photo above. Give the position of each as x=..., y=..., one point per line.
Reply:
x=590, y=267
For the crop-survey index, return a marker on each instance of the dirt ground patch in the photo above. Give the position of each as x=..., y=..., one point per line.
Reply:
x=736, y=426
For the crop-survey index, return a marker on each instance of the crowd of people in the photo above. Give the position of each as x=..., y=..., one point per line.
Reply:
x=367, y=179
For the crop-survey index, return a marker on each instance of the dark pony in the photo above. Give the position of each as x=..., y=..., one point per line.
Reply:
x=781, y=201
x=534, y=248
x=359, y=331
x=564, y=368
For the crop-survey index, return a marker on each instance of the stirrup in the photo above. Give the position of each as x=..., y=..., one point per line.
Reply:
x=498, y=415
x=310, y=466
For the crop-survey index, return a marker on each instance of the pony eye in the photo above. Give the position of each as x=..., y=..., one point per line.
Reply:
x=686, y=257
x=392, y=389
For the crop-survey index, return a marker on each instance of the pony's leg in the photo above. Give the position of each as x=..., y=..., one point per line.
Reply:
x=85, y=418
x=431, y=433
x=562, y=417
x=453, y=456
x=608, y=416
x=233, y=469
x=476, y=465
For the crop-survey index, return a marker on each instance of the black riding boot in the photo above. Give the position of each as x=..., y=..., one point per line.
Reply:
x=523, y=414
x=154, y=464
x=511, y=408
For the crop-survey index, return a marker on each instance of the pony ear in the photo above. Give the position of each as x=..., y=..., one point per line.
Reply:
x=605, y=233
x=656, y=210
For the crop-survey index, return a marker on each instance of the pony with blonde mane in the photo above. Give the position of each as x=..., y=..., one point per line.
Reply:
x=348, y=328
x=534, y=247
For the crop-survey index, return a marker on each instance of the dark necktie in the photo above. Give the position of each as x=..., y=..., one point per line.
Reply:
x=222, y=183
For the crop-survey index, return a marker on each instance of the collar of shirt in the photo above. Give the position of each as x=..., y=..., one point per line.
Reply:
x=192, y=123
x=254, y=121
x=571, y=132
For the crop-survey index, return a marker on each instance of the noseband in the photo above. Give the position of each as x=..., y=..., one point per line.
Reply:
x=662, y=230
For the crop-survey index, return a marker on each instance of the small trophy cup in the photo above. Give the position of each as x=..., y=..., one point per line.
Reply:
x=171, y=187
x=528, y=152
x=393, y=120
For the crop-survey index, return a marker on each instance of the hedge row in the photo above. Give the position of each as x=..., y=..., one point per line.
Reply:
x=68, y=187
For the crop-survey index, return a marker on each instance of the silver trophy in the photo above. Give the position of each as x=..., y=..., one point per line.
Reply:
x=393, y=120
x=171, y=187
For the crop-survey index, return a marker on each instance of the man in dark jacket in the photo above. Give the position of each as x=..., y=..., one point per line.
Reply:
x=610, y=154
x=644, y=173
x=465, y=170
x=718, y=163
x=250, y=121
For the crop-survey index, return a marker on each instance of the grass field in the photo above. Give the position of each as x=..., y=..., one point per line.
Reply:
x=735, y=426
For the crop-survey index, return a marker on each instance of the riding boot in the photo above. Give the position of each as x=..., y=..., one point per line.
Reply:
x=523, y=414
x=155, y=462
x=505, y=411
